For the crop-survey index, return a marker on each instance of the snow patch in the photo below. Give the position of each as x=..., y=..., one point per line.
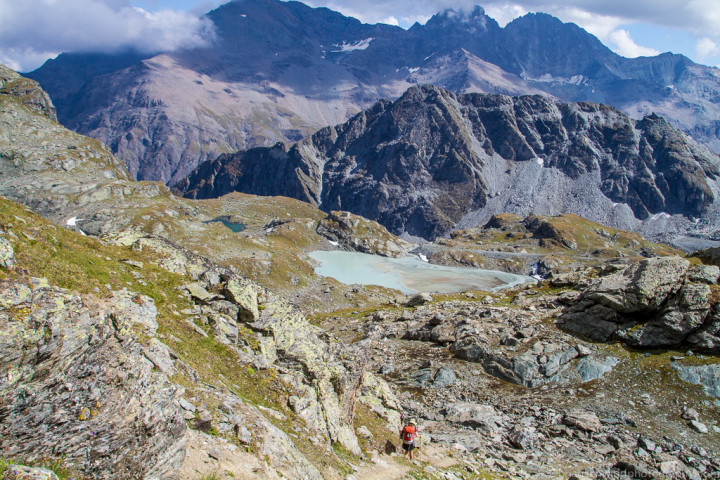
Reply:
x=535, y=273
x=72, y=222
x=547, y=78
x=352, y=46
x=660, y=215
x=540, y=161
x=409, y=69
x=334, y=244
x=243, y=15
x=423, y=258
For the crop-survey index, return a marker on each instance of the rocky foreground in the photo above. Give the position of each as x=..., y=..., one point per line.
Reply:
x=509, y=379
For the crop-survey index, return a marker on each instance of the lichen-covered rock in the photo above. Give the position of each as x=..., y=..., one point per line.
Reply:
x=244, y=295
x=21, y=472
x=297, y=340
x=134, y=309
x=640, y=287
x=79, y=386
x=584, y=420
x=7, y=254
x=706, y=375
x=651, y=303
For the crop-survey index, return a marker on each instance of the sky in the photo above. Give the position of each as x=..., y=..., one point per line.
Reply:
x=32, y=31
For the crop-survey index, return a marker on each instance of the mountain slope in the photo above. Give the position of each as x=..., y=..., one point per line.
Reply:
x=433, y=160
x=278, y=71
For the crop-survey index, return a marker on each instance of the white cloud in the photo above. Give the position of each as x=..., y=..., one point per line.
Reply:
x=602, y=26
x=504, y=14
x=627, y=47
x=701, y=17
x=32, y=28
x=391, y=20
x=705, y=47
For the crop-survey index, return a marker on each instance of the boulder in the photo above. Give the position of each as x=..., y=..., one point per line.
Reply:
x=21, y=472
x=199, y=293
x=640, y=287
x=583, y=420
x=419, y=299
x=698, y=426
x=7, y=254
x=522, y=437
x=422, y=377
x=444, y=377
x=244, y=295
x=651, y=303
x=690, y=414
x=474, y=415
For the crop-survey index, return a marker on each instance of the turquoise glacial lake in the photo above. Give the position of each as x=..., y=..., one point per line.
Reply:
x=234, y=227
x=410, y=274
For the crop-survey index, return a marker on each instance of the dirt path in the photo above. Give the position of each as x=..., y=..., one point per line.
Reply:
x=392, y=467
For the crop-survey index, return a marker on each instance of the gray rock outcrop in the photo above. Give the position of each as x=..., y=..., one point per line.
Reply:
x=81, y=387
x=652, y=303
x=39, y=155
x=359, y=234
x=708, y=376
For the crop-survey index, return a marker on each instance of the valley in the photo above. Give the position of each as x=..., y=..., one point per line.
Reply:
x=160, y=326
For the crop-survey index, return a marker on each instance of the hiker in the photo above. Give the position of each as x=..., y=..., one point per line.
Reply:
x=408, y=434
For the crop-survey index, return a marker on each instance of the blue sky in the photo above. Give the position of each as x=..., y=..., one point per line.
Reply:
x=31, y=31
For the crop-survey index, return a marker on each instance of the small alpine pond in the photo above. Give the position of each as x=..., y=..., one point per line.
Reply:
x=234, y=227
x=410, y=274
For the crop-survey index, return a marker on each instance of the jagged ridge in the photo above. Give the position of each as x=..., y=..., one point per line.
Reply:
x=299, y=69
x=423, y=163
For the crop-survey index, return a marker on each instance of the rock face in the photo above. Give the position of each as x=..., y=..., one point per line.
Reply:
x=80, y=385
x=326, y=389
x=27, y=91
x=433, y=159
x=652, y=303
x=359, y=234
x=706, y=375
x=39, y=155
x=300, y=69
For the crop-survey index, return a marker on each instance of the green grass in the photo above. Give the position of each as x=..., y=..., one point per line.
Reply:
x=55, y=465
x=211, y=476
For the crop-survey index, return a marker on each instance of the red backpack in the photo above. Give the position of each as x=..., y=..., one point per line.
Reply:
x=408, y=433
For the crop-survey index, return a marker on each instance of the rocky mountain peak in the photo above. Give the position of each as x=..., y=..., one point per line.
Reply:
x=27, y=92
x=279, y=71
x=474, y=19
x=432, y=160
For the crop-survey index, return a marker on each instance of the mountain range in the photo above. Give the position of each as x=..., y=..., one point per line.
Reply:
x=433, y=160
x=146, y=336
x=279, y=71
